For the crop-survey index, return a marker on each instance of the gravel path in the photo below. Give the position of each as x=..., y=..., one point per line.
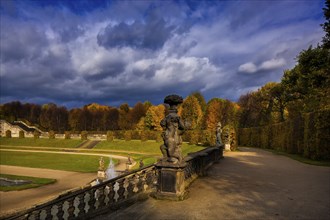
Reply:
x=251, y=184
x=17, y=200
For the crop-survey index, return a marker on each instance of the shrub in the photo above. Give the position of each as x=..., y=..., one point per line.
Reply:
x=8, y=134
x=193, y=137
x=83, y=135
x=128, y=135
x=67, y=135
x=159, y=137
x=36, y=134
x=143, y=136
x=135, y=135
x=21, y=134
x=110, y=136
x=207, y=138
x=51, y=134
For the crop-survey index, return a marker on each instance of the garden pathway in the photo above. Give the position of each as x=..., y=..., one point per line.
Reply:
x=250, y=184
x=17, y=200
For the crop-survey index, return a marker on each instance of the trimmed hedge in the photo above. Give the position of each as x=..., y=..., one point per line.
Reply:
x=308, y=135
x=21, y=134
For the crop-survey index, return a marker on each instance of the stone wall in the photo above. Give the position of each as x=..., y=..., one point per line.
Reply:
x=5, y=126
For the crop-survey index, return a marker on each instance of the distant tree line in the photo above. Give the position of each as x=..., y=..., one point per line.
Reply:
x=196, y=113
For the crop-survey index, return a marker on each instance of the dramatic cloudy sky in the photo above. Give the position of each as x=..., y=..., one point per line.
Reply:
x=77, y=52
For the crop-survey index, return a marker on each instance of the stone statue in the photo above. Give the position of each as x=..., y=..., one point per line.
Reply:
x=129, y=161
x=172, y=130
x=218, y=135
x=101, y=164
x=141, y=163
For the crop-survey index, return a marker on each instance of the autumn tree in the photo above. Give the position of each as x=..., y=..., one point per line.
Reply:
x=191, y=112
x=201, y=100
x=124, y=122
x=53, y=117
x=153, y=117
x=74, y=119
x=213, y=113
x=136, y=114
x=111, y=119
x=326, y=25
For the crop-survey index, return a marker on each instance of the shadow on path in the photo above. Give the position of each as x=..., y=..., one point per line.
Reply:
x=251, y=184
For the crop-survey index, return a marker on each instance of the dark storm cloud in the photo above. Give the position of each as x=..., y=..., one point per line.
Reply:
x=129, y=51
x=24, y=42
x=111, y=69
x=150, y=35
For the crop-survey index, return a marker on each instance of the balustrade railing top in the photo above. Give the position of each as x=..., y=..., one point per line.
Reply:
x=114, y=193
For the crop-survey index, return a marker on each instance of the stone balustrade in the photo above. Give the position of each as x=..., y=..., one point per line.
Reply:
x=101, y=198
x=118, y=192
x=199, y=162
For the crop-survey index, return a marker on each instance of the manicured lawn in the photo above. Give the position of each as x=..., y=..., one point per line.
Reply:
x=78, y=163
x=36, y=182
x=41, y=142
x=147, y=147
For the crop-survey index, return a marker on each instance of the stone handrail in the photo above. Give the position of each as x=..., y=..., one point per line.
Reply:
x=93, y=200
x=117, y=192
x=199, y=162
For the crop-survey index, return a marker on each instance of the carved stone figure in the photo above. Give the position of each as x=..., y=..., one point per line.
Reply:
x=218, y=135
x=172, y=130
x=101, y=164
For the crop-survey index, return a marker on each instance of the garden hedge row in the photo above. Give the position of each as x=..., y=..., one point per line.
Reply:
x=308, y=135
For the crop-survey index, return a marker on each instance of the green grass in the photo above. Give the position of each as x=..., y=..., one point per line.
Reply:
x=41, y=142
x=36, y=182
x=147, y=147
x=68, y=162
x=148, y=151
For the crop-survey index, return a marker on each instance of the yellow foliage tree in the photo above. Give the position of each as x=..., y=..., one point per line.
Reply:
x=191, y=112
x=153, y=117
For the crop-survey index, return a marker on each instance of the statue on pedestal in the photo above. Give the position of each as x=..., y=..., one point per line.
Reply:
x=219, y=142
x=218, y=135
x=101, y=164
x=172, y=130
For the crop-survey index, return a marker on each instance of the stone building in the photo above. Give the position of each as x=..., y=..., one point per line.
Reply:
x=15, y=127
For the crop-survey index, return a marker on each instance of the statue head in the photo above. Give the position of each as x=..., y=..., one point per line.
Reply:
x=173, y=101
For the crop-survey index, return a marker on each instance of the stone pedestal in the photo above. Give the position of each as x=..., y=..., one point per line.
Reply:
x=171, y=181
x=227, y=147
x=101, y=175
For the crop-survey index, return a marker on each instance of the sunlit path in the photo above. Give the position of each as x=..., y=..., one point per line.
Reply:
x=250, y=184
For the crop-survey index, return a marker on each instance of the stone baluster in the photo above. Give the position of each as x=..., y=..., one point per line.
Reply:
x=111, y=194
x=60, y=211
x=34, y=215
x=71, y=208
x=101, y=197
x=140, y=182
x=81, y=205
x=92, y=200
x=121, y=189
x=129, y=185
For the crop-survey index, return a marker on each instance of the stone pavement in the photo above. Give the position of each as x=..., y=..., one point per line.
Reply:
x=250, y=184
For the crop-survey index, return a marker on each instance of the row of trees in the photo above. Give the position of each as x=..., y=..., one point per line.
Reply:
x=196, y=113
x=303, y=89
